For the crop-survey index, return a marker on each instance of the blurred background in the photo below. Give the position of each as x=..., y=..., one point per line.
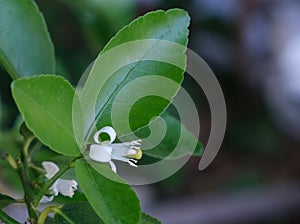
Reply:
x=253, y=46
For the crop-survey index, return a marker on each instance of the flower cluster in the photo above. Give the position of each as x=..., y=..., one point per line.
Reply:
x=62, y=186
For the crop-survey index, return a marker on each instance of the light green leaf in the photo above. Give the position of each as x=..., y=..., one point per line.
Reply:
x=79, y=213
x=5, y=200
x=177, y=137
x=147, y=219
x=114, y=202
x=148, y=68
x=45, y=103
x=25, y=44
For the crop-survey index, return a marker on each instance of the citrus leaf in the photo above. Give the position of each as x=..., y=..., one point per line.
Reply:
x=45, y=103
x=79, y=213
x=147, y=219
x=25, y=44
x=138, y=73
x=112, y=199
x=177, y=137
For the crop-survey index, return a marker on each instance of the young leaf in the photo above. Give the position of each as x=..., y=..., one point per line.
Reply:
x=177, y=136
x=114, y=202
x=5, y=200
x=152, y=46
x=46, y=105
x=25, y=45
x=79, y=213
x=147, y=219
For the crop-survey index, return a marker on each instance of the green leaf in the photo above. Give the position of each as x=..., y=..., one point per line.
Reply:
x=9, y=143
x=45, y=102
x=6, y=218
x=139, y=78
x=177, y=136
x=79, y=213
x=25, y=45
x=5, y=200
x=147, y=219
x=114, y=202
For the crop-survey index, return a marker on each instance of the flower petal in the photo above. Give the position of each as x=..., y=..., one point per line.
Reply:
x=112, y=166
x=108, y=130
x=100, y=153
x=50, y=168
x=46, y=199
x=66, y=187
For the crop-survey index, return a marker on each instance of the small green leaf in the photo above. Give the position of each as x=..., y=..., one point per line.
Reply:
x=146, y=72
x=114, y=202
x=177, y=136
x=9, y=143
x=46, y=105
x=147, y=219
x=79, y=213
x=25, y=44
x=5, y=200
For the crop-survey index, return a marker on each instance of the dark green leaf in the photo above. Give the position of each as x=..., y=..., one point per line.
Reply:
x=147, y=219
x=5, y=200
x=114, y=202
x=25, y=45
x=46, y=105
x=9, y=143
x=157, y=65
x=79, y=213
x=176, y=137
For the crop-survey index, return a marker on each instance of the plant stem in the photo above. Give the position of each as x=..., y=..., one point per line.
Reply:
x=6, y=218
x=51, y=181
x=55, y=210
x=26, y=182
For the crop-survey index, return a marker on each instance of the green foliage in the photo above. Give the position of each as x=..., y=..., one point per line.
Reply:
x=5, y=200
x=176, y=137
x=114, y=202
x=48, y=105
x=147, y=219
x=45, y=101
x=25, y=45
x=79, y=213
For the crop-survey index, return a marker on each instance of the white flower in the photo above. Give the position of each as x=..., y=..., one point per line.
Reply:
x=63, y=186
x=105, y=151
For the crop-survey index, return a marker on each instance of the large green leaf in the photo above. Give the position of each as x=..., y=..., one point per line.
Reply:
x=114, y=202
x=79, y=213
x=25, y=44
x=148, y=68
x=46, y=105
x=177, y=142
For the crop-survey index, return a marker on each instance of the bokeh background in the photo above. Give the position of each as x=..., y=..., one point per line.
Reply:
x=253, y=46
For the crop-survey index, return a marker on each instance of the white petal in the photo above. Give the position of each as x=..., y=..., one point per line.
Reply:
x=108, y=130
x=46, y=199
x=100, y=153
x=50, y=168
x=66, y=187
x=113, y=166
